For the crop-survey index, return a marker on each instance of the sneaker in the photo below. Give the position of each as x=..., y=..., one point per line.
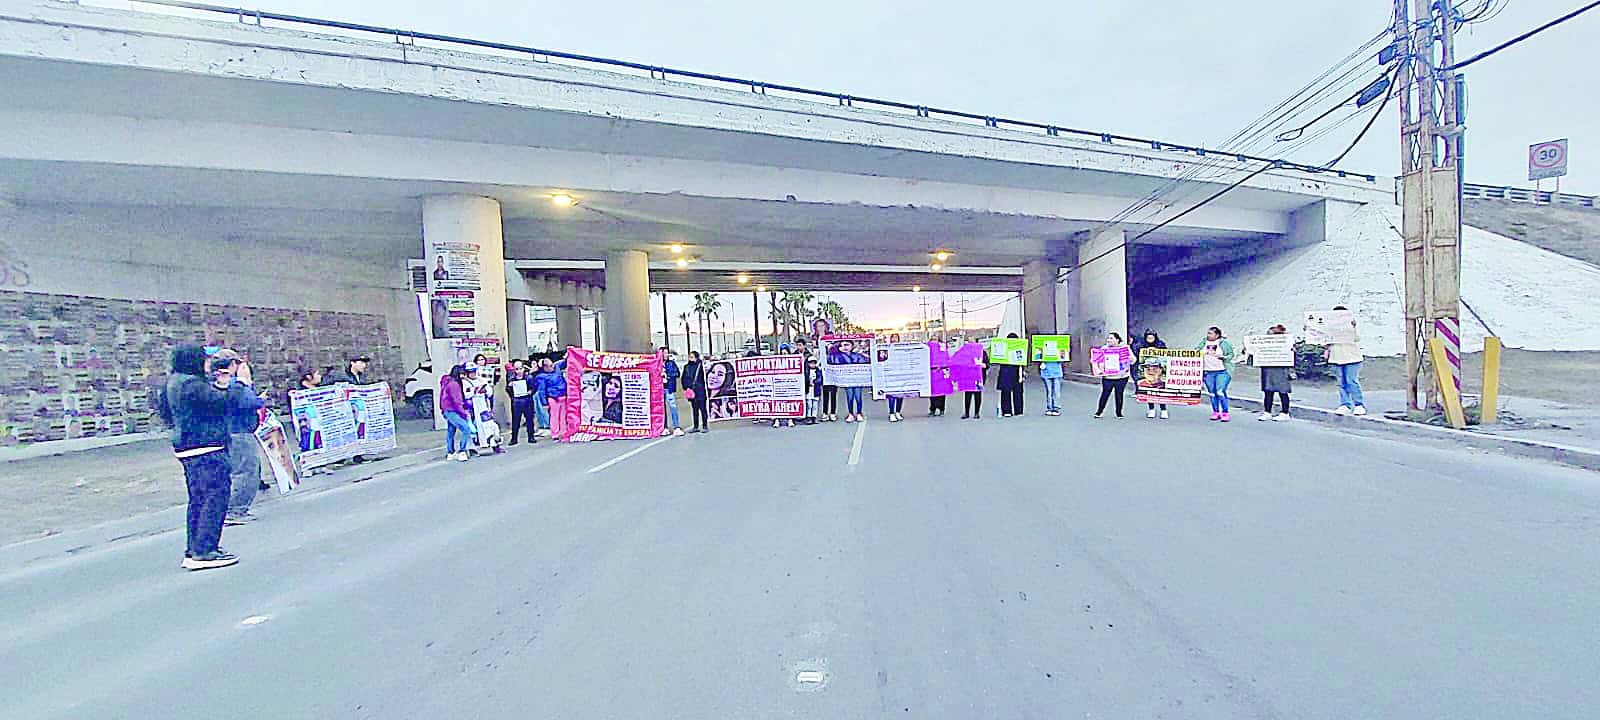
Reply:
x=1265, y=417
x=677, y=432
x=1280, y=417
x=1343, y=410
x=462, y=456
x=965, y=415
x=1005, y=414
x=849, y=418
x=1164, y=415
x=1216, y=415
x=1151, y=414
x=1225, y=417
x=775, y=423
x=236, y=520
x=213, y=559
x=1097, y=416
x=1361, y=410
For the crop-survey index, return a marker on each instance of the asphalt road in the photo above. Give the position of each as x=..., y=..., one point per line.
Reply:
x=1004, y=568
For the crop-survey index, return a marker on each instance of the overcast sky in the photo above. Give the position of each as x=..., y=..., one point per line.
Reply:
x=1183, y=72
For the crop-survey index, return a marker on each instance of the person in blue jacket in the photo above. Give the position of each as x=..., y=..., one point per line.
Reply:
x=551, y=384
x=669, y=391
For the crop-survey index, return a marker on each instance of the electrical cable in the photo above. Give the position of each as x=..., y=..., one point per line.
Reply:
x=1520, y=38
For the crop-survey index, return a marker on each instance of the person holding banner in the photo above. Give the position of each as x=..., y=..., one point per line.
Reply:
x=1345, y=357
x=1050, y=374
x=1275, y=380
x=1114, y=382
x=1152, y=340
x=814, y=388
x=972, y=402
x=519, y=385
x=1216, y=355
x=694, y=388
x=1009, y=382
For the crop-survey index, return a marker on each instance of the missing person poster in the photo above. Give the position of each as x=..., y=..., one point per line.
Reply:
x=847, y=360
x=1051, y=348
x=1008, y=351
x=455, y=267
x=612, y=395
x=722, y=390
x=469, y=348
x=341, y=421
x=1270, y=350
x=454, y=313
x=278, y=453
x=1169, y=376
x=901, y=368
x=1110, y=361
x=1326, y=327
x=770, y=386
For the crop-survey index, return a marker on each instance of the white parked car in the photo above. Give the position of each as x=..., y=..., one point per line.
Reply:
x=420, y=386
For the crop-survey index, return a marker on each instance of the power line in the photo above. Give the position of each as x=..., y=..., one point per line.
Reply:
x=1520, y=38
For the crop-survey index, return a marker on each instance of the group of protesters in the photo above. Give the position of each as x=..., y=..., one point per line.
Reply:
x=468, y=395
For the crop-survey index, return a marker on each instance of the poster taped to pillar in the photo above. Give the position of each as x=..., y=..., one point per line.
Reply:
x=1326, y=327
x=1110, y=361
x=966, y=368
x=276, y=449
x=771, y=386
x=1051, y=348
x=722, y=390
x=1008, y=351
x=454, y=313
x=1169, y=376
x=341, y=421
x=1270, y=350
x=901, y=368
x=467, y=348
x=847, y=360
x=455, y=267
x=612, y=395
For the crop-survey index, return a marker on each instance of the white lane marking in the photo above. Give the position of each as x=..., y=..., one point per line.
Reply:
x=808, y=676
x=855, y=445
x=626, y=455
x=255, y=620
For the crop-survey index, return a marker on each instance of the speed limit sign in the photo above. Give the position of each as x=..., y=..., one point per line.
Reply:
x=1547, y=159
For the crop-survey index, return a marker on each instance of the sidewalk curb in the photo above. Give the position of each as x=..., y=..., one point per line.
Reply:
x=1569, y=455
x=72, y=542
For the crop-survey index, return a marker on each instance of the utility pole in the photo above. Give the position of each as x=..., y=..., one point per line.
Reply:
x=666, y=325
x=1430, y=142
x=755, y=312
x=944, y=325
x=924, y=302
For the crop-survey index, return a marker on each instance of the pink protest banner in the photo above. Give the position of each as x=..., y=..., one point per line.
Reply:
x=772, y=386
x=939, y=364
x=966, y=368
x=612, y=395
x=1106, y=361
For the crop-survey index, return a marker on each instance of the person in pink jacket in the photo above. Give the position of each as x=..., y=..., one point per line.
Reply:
x=453, y=406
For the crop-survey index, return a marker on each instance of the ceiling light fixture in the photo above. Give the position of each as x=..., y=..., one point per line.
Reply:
x=941, y=255
x=936, y=267
x=743, y=279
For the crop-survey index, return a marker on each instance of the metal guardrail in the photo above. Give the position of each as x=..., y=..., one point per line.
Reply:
x=410, y=37
x=1537, y=197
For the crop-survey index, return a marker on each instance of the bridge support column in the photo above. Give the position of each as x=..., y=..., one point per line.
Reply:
x=464, y=247
x=1043, y=309
x=569, y=326
x=1097, y=293
x=627, y=301
x=516, y=329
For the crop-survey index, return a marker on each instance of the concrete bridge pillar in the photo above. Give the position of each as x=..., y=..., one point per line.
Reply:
x=1097, y=293
x=569, y=326
x=627, y=301
x=516, y=329
x=464, y=247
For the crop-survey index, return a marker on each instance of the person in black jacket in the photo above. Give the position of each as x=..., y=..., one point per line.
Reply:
x=1009, y=382
x=1151, y=340
x=972, y=406
x=694, y=386
x=195, y=405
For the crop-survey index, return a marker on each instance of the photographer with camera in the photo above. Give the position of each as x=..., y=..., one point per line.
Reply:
x=195, y=404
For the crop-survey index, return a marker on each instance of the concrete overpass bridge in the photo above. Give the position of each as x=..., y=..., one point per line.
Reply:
x=139, y=149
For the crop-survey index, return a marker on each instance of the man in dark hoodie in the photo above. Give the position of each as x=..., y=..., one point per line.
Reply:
x=244, y=455
x=195, y=405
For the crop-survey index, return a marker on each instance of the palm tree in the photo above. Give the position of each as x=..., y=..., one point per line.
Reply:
x=797, y=305
x=706, y=306
x=688, y=338
x=835, y=314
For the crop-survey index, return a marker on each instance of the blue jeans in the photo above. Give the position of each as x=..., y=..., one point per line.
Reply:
x=896, y=403
x=541, y=411
x=852, y=400
x=670, y=399
x=207, y=478
x=1349, y=384
x=1217, y=382
x=453, y=422
x=1052, y=394
x=244, y=471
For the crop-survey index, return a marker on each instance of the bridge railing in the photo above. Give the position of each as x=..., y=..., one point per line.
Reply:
x=1524, y=195
x=410, y=37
